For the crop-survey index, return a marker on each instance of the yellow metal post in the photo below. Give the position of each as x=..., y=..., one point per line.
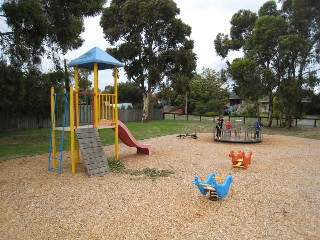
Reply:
x=73, y=162
x=116, y=130
x=96, y=95
x=53, y=136
x=76, y=85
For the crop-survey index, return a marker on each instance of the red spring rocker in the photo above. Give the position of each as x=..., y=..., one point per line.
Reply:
x=239, y=159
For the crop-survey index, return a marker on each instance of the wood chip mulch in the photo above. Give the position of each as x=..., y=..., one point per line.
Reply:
x=276, y=197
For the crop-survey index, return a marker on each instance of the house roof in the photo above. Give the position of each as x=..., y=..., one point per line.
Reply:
x=96, y=55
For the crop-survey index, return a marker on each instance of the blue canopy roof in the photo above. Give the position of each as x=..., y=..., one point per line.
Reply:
x=96, y=55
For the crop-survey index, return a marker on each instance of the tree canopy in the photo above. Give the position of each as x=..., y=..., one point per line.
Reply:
x=153, y=43
x=43, y=28
x=32, y=31
x=207, y=93
x=128, y=92
x=280, y=47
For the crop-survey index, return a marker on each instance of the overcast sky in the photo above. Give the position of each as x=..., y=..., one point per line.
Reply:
x=206, y=18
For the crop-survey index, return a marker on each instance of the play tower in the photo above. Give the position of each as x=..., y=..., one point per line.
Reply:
x=103, y=113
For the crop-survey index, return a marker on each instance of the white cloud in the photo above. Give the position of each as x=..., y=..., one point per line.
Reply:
x=207, y=18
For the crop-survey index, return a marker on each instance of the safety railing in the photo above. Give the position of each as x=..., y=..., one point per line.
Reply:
x=83, y=108
x=107, y=108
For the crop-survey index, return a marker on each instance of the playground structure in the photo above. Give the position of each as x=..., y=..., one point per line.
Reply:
x=239, y=133
x=192, y=135
x=211, y=185
x=239, y=159
x=99, y=111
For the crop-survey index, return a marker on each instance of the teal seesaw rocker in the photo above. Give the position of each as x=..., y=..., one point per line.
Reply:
x=211, y=185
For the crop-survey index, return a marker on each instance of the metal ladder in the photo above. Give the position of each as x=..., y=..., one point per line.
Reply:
x=56, y=150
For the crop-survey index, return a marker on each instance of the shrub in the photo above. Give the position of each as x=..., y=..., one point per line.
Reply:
x=211, y=113
x=249, y=110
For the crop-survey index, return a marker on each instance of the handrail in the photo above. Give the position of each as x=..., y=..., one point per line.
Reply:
x=106, y=108
x=76, y=107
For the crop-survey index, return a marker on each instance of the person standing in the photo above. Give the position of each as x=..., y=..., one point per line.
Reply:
x=228, y=127
x=257, y=129
x=219, y=126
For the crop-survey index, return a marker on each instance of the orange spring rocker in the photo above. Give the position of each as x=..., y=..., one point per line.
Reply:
x=239, y=159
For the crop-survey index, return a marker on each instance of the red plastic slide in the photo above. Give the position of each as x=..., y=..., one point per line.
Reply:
x=127, y=138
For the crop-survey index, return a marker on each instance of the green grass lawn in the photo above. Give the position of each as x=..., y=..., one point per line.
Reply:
x=23, y=143
x=32, y=142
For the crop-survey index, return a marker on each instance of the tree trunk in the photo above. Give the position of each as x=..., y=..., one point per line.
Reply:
x=66, y=75
x=289, y=119
x=257, y=107
x=145, y=110
x=281, y=118
x=270, y=114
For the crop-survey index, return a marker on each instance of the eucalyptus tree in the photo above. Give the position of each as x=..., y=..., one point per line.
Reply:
x=256, y=36
x=43, y=28
x=153, y=43
x=26, y=93
x=30, y=32
x=299, y=52
x=247, y=72
x=278, y=47
x=12, y=88
x=242, y=24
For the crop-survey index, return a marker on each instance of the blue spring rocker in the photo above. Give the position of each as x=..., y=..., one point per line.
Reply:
x=216, y=190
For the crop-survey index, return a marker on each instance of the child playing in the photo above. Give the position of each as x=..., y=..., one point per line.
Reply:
x=228, y=127
x=257, y=129
x=219, y=126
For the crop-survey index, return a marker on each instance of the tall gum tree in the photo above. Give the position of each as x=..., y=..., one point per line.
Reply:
x=153, y=43
x=300, y=54
x=30, y=32
x=279, y=46
x=43, y=28
x=256, y=36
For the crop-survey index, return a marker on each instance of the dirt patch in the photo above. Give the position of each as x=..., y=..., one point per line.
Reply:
x=277, y=197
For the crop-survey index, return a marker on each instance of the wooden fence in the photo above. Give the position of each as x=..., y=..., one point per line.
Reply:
x=135, y=115
x=13, y=121
x=16, y=122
